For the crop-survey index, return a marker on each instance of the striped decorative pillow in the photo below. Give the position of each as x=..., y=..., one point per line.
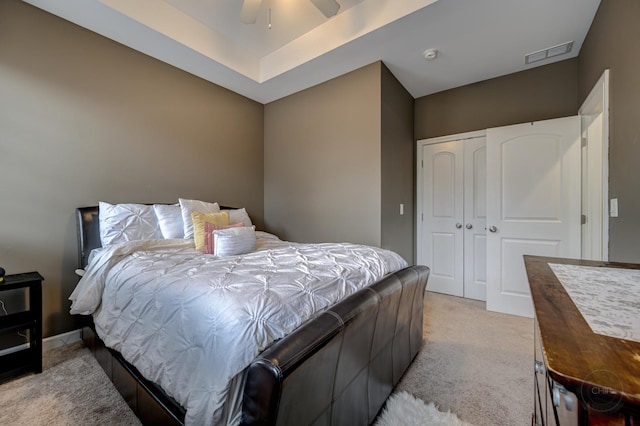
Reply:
x=209, y=228
x=232, y=242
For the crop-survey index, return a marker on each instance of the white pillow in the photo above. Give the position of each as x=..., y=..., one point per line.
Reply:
x=234, y=241
x=239, y=215
x=127, y=222
x=188, y=206
x=170, y=220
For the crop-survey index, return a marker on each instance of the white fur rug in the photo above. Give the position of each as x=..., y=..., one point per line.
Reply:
x=403, y=409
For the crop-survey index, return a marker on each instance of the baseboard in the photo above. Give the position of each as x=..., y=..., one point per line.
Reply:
x=50, y=342
x=61, y=339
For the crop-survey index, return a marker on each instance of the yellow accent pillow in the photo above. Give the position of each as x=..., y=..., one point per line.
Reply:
x=199, y=220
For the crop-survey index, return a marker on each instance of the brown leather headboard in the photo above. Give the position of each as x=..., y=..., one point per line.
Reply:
x=89, y=232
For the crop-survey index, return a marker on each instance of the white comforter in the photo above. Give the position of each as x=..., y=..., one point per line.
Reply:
x=192, y=322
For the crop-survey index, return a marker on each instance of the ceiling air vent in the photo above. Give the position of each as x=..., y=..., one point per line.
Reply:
x=550, y=52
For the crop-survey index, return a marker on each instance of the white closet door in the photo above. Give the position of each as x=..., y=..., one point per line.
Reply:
x=533, y=204
x=475, y=219
x=442, y=209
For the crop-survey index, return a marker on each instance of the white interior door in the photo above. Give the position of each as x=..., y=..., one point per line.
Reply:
x=442, y=216
x=533, y=204
x=475, y=219
x=595, y=176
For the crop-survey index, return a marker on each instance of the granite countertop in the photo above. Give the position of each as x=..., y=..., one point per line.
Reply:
x=607, y=298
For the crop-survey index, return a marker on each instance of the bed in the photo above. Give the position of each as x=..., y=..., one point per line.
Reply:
x=336, y=366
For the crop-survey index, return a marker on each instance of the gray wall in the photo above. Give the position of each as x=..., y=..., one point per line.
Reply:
x=536, y=94
x=322, y=161
x=398, y=167
x=613, y=42
x=339, y=161
x=84, y=119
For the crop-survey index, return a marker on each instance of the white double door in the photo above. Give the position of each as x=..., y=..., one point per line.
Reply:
x=453, y=216
x=523, y=185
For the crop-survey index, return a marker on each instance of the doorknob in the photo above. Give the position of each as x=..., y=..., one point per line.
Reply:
x=493, y=229
x=458, y=225
x=469, y=226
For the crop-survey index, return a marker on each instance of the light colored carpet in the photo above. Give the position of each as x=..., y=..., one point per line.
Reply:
x=71, y=390
x=474, y=363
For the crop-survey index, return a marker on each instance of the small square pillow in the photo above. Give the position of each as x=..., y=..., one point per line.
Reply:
x=188, y=206
x=170, y=220
x=199, y=219
x=208, y=234
x=234, y=241
x=127, y=222
x=239, y=215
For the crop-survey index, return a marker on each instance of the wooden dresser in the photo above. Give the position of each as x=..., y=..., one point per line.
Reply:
x=582, y=377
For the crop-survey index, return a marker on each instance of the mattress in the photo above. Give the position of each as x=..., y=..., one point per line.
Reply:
x=192, y=322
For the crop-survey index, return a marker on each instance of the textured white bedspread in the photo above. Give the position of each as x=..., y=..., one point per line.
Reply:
x=192, y=322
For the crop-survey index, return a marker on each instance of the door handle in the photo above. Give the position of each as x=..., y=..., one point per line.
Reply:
x=469, y=226
x=458, y=225
x=493, y=229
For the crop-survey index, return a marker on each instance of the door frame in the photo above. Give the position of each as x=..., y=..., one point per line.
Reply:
x=419, y=176
x=596, y=207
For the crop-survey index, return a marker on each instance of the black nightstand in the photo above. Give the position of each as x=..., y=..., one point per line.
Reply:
x=29, y=359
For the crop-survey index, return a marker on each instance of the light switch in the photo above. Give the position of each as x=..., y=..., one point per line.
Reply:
x=401, y=209
x=613, y=207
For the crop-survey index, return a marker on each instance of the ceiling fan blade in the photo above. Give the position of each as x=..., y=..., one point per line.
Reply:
x=249, y=12
x=328, y=7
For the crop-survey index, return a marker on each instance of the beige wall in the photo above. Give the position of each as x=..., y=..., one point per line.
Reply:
x=540, y=93
x=322, y=161
x=84, y=119
x=612, y=42
x=398, y=167
x=339, y=161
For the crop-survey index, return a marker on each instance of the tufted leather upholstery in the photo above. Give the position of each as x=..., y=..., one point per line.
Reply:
x=339, y=368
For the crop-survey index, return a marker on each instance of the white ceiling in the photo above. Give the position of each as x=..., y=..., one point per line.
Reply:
x=476, y=39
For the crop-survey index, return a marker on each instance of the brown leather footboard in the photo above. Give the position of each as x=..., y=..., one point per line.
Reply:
x=339, y=368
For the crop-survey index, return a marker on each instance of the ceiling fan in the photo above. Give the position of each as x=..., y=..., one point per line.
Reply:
x=250, y=9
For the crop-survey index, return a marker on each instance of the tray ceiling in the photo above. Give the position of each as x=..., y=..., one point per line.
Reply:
x=476, y=40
